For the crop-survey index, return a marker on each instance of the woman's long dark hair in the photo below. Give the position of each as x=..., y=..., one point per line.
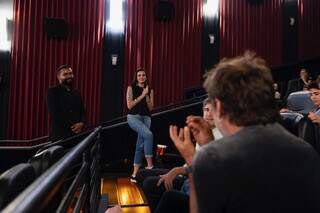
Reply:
x=135, y=81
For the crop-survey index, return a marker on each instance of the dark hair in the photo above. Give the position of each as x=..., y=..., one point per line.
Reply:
x=302, y=68
x=135, y=81
x=244, y=86
x=205, y=102
x=64, y=66
x=313, y=85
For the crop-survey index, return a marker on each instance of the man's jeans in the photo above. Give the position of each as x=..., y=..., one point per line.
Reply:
x=141, y=124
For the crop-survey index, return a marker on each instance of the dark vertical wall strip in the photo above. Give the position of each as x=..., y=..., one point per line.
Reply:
x=209, y=51
x=290, y=31
x=4, y=91
x=112, y=75
x=35, y=58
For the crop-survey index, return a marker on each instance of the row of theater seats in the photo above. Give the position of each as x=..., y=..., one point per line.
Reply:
x=296, y=120
x=19, y=177
x=299, y=125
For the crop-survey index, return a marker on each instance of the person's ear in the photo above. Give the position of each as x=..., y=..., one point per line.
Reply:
x=218, y=108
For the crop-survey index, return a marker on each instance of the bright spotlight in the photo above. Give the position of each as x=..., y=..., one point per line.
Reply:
x=115, y=23
x=5, y=16
x=211, y=8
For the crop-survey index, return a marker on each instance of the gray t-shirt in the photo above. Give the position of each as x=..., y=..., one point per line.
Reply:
x=261, y=168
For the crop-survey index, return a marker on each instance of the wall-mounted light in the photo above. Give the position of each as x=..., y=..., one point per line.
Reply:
x=211, y=39
x=292, y=21
x=5, y=19
x=116, y=23
x=210, y=8
x=114, y=59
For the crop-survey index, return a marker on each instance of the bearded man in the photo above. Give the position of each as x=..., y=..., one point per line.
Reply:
x=65, y=106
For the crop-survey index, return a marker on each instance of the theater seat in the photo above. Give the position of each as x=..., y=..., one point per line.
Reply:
x=43, y=160
x=310, y=132
x=300, y=102
x=14, y=181
x=303, y=128
x=292, y=121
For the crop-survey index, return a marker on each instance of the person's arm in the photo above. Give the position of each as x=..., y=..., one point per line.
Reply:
x=149, y=100
x=132, y=102
x=53, y=109
x=78, y=127
x=167, y=179
x=115, y=209
x=192, y=194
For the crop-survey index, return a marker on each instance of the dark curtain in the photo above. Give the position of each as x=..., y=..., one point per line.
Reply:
x=4, y=91
x=35, y=58
x=256, y=27
x=169, y=51
x=309, y=29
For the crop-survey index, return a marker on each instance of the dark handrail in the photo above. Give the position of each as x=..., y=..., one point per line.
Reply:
x=68, y=197
x=25, y=141
x=34, y=198
x=49, y=144
x=163, y=109
x=82, y=198
x=23, y=147
x=153, y=115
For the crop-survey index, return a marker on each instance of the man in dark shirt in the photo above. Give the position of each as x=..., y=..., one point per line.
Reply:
x=298, y=84
x=65, y=106
x=257, y=166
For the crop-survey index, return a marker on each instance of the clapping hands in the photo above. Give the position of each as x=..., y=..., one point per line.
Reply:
x=182, y=141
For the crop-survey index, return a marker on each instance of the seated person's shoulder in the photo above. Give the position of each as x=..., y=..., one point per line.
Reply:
x=212, y=151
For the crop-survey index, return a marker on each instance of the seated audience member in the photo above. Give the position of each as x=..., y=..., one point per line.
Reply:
x=298, y=84
x=314, y=90
x=209, y=121
x=277, y=94
x=257, y=166
x=155, y=186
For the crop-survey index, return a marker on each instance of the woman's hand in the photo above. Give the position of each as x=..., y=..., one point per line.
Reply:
x=145, y=91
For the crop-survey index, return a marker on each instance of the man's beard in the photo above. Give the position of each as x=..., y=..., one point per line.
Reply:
x=67, y=82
